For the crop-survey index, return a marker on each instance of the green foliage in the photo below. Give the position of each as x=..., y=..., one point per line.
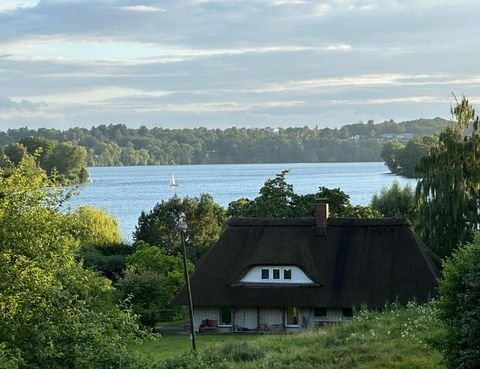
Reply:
x=8, y=359
x=53, y=313
x=108, y=260
x=118, y=145
x=15, y=153
x=389, y=154
x=395, y=201
x=240, y=351
x=403, y=159
x=278, y=200
x=205, y=220
x=460, y=306
x=449, y=182
x=414, y=150
x=191, y=360
x=96, y=227
x=152, y=280
x=64, y=161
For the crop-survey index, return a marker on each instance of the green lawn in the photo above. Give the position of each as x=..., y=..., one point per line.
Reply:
x=168, y=346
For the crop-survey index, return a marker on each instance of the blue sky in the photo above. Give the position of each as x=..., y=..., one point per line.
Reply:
x=215, y=63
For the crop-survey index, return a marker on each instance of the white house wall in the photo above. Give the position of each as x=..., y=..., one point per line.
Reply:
x=246, y=317
x=254, y=275
x=271, y=316
x=202, y=313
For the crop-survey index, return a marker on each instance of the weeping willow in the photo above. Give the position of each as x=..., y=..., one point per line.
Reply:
x=448, y=189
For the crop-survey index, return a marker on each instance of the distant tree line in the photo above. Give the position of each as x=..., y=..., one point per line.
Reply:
x=117, y=145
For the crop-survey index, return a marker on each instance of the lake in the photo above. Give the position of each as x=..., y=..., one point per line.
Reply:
x=125, y=191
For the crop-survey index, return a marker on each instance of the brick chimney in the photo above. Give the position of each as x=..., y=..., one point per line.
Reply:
x=321, y=212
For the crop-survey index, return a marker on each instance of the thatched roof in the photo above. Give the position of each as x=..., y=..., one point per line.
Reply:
x=353, y=262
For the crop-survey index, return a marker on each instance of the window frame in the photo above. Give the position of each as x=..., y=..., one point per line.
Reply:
x=297, y=310
x=220, y=316
x=265, y=271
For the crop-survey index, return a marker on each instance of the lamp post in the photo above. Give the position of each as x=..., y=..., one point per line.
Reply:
x=182, y=228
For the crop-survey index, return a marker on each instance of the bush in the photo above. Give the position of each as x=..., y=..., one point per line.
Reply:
x=460, y=306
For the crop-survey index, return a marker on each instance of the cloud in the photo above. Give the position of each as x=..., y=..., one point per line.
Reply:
x=251, y=62
x=143, y=8
x=7, y=104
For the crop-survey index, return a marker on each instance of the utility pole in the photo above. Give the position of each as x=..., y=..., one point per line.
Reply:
x=182, y=227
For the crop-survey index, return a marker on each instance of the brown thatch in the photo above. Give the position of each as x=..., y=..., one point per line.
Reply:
x=353, y=262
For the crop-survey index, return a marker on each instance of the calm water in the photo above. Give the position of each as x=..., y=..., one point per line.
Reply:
x=125, y=191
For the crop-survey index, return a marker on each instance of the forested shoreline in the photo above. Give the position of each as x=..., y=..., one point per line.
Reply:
x=118, y=145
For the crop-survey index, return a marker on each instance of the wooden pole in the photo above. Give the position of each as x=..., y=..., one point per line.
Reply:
x=189, y=293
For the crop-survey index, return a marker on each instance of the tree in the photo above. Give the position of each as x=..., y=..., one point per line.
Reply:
x=460, y=306
x=414, y=150
x=53, y=313
x=95, y=227
x=395, y=201
x=205, y=219
x=389, y=154
x=447, y=192
x=277, y=199
x=15, y=153
x=42, y=147
x=153, y=279
x=70, y=162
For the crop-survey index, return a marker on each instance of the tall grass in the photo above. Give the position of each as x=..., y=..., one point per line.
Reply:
x=397, y=337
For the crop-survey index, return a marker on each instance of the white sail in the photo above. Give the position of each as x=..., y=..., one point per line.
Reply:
x=173, y=182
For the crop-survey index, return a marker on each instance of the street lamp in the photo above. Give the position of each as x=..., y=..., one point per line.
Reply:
x=182, y=229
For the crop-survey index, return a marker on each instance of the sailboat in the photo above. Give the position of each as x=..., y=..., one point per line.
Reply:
x=173, y=182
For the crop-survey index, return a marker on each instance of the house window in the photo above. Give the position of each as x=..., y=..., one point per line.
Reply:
x=320, y=313
x=276, y=273
x=265, y=274
x=292, y=316
x=225, y=315
x=287, y=274
x=347, y=313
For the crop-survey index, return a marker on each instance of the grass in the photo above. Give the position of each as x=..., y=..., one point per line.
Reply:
x=398, y=338
x=169, y=346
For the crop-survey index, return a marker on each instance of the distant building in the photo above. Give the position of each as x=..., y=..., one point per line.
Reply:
x=291, y=274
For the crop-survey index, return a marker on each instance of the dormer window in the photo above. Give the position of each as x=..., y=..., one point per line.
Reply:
x=276, y=274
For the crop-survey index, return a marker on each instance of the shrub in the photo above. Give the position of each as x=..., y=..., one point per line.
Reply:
x=460, y=306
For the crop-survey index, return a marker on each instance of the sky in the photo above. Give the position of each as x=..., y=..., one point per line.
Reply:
x=248, y=63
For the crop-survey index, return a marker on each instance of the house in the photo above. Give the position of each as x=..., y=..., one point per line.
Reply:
x=291, y=274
